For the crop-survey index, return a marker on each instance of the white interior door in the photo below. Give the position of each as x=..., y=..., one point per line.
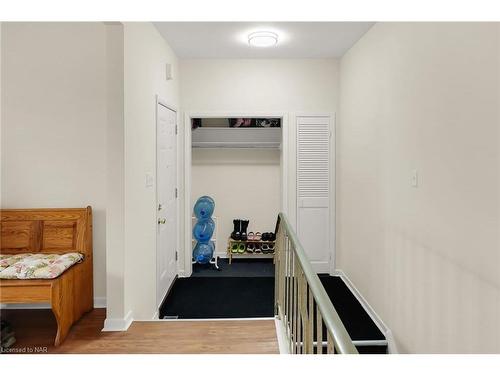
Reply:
x=166, y=188
x=314, y=216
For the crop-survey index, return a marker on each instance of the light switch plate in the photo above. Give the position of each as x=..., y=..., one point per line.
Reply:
x=168, y=71
x=414, y=178
x=149, y=180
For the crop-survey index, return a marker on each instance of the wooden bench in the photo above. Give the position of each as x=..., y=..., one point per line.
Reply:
x=51, y=231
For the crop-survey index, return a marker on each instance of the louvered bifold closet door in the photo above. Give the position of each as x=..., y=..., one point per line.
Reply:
x=313, y=189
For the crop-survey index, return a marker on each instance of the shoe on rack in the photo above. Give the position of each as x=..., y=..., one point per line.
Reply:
x=250, y=247
x=236, y=235
x=265, y=248
x=241, y=247
x=244, y=227
x=234, y=248
x=271, y=248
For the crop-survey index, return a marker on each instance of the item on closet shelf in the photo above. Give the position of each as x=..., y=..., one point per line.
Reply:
x=257, y=236
x=195, y=123
x=203, y=230
x=250, y=236
x=241, y=122
x=241, y=247
x=204, y=207
x=265, y=236
x=257, y=248
x=268, y=122
x=236, y=235
x=203, y=252
x=250, y=247
x=272, y=236
x=244, y=227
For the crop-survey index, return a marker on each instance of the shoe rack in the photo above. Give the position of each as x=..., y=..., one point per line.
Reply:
x=257, y=243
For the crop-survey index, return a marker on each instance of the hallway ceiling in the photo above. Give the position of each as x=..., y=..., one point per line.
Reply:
x=225, y=40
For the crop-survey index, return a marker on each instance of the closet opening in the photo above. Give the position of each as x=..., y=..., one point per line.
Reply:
x=235, y=186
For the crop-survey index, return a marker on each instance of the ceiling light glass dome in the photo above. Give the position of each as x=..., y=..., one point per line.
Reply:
x=262, y=39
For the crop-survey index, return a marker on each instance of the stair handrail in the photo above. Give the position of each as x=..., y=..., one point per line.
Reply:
x=336, y=331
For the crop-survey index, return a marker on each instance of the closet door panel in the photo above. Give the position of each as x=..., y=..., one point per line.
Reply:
x=313, y=189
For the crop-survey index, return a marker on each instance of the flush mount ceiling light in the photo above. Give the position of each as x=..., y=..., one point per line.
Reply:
x=262, y=39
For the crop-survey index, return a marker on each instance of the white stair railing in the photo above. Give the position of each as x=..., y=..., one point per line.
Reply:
x=301, y=302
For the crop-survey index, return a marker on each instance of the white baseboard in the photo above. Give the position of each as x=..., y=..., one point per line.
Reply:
x=99, y=302
x=391, y=344
x=118, y=324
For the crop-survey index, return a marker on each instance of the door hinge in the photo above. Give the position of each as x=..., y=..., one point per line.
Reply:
x=176, y=130
x=176, y=255
x=176, y=193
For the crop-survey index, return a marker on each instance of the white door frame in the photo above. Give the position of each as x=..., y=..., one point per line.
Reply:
x=164, y=103
x=332, y=182
x=284, y=157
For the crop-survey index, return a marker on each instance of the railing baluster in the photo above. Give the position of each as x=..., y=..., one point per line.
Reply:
x=300, y=303
x=295, y=304
x=281, y=285
x=310, y=322
x=319, y=332
x=299, y=307
x=329, y=346
x=287, y=275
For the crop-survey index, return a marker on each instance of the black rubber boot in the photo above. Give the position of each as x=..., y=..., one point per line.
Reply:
x=236, y=235
x=244, y=227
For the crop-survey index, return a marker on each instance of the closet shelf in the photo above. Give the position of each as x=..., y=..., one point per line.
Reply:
x=236, y=138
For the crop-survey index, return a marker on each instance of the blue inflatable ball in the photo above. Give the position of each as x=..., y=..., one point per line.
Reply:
x=203, y=252
x=204, y=207
x=203, y=230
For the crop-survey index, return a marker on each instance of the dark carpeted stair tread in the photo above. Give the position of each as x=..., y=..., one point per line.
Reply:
x=358, y=323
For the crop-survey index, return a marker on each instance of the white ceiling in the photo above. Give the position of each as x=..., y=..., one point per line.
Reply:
x=229, y=39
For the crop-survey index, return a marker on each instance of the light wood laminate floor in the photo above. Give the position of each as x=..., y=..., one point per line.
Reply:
x=35, y=330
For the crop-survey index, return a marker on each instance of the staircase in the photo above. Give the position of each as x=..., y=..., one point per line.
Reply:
x=318, y=314
x=365, y=334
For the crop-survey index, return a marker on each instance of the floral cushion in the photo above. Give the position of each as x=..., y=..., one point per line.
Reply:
x=7, y=260
x=36, y=266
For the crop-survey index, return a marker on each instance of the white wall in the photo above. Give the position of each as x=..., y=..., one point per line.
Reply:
x=423, y=96
x=54, y=122
x=145, y=57
x=252, y=86
x=115, y=174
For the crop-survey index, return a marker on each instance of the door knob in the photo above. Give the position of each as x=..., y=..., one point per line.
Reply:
x=162, y=221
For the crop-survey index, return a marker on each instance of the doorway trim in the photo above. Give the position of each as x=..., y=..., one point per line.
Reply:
x=186, y=256
x=160, y=101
